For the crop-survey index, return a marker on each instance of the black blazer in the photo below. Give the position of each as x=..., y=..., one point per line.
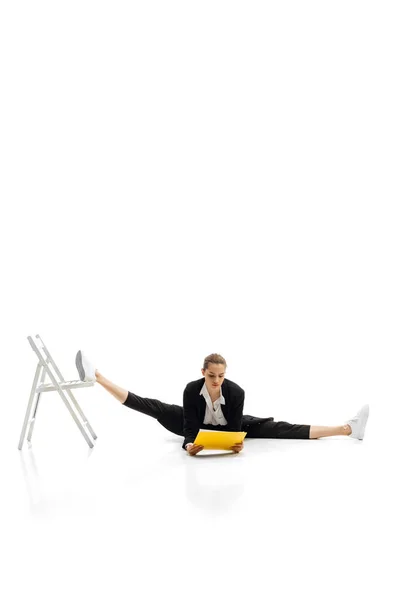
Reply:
x=194, y=409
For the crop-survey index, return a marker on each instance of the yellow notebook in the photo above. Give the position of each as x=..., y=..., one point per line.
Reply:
x=219, y=440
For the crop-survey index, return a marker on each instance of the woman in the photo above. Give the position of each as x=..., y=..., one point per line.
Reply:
x=214, y=402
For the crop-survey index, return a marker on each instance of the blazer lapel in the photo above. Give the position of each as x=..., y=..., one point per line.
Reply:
x=225, y=407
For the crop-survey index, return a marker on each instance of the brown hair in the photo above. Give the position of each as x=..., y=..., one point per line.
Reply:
x=214, y=358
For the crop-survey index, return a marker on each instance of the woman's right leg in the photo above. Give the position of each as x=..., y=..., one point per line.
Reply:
x=169, y=416
x=118, y=393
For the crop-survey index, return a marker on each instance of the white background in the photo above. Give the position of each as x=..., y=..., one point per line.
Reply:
x=181, y=178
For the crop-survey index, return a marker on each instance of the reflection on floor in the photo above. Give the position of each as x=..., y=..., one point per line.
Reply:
x=136, y=517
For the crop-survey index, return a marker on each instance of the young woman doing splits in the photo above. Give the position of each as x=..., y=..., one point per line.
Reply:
x=216, y=403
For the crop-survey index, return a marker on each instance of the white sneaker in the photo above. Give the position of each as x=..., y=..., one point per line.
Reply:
x=359, y=422
x=86, y=370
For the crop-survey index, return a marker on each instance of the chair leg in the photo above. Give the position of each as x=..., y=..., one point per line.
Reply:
x=29, y=408
x=33, y=419
x=80, y=411
x=73, y=415
x=35, y=407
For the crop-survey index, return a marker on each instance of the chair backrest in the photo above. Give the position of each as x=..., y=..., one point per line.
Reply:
x=45, y=358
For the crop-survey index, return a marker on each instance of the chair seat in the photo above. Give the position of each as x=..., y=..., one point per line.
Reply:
x=76, y=383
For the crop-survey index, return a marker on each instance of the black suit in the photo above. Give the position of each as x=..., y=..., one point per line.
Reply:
x=188, y=420
x=194, y=410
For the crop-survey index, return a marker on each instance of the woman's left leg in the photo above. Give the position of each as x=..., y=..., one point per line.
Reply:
x=284, y=430
x=319, y=431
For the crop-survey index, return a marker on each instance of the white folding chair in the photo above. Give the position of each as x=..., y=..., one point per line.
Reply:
x=47, y=367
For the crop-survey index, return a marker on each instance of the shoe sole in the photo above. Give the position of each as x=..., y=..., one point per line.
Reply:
x=79, y=366
x=364, y=422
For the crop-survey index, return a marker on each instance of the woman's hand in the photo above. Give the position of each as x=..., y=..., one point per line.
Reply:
x=237, y=447
x=193, y=449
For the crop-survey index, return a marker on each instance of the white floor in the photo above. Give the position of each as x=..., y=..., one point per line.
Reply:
x=133, y=518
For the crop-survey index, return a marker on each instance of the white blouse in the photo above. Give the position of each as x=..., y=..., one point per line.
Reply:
x=213, y=414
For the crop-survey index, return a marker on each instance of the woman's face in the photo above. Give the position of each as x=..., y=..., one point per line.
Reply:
x=214, y=376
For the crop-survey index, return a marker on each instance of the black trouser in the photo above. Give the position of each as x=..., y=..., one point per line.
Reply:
x=170, y=416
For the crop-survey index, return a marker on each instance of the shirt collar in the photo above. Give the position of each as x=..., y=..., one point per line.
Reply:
x=204, y=392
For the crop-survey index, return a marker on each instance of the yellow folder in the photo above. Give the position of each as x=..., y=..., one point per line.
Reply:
x=219, y=440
